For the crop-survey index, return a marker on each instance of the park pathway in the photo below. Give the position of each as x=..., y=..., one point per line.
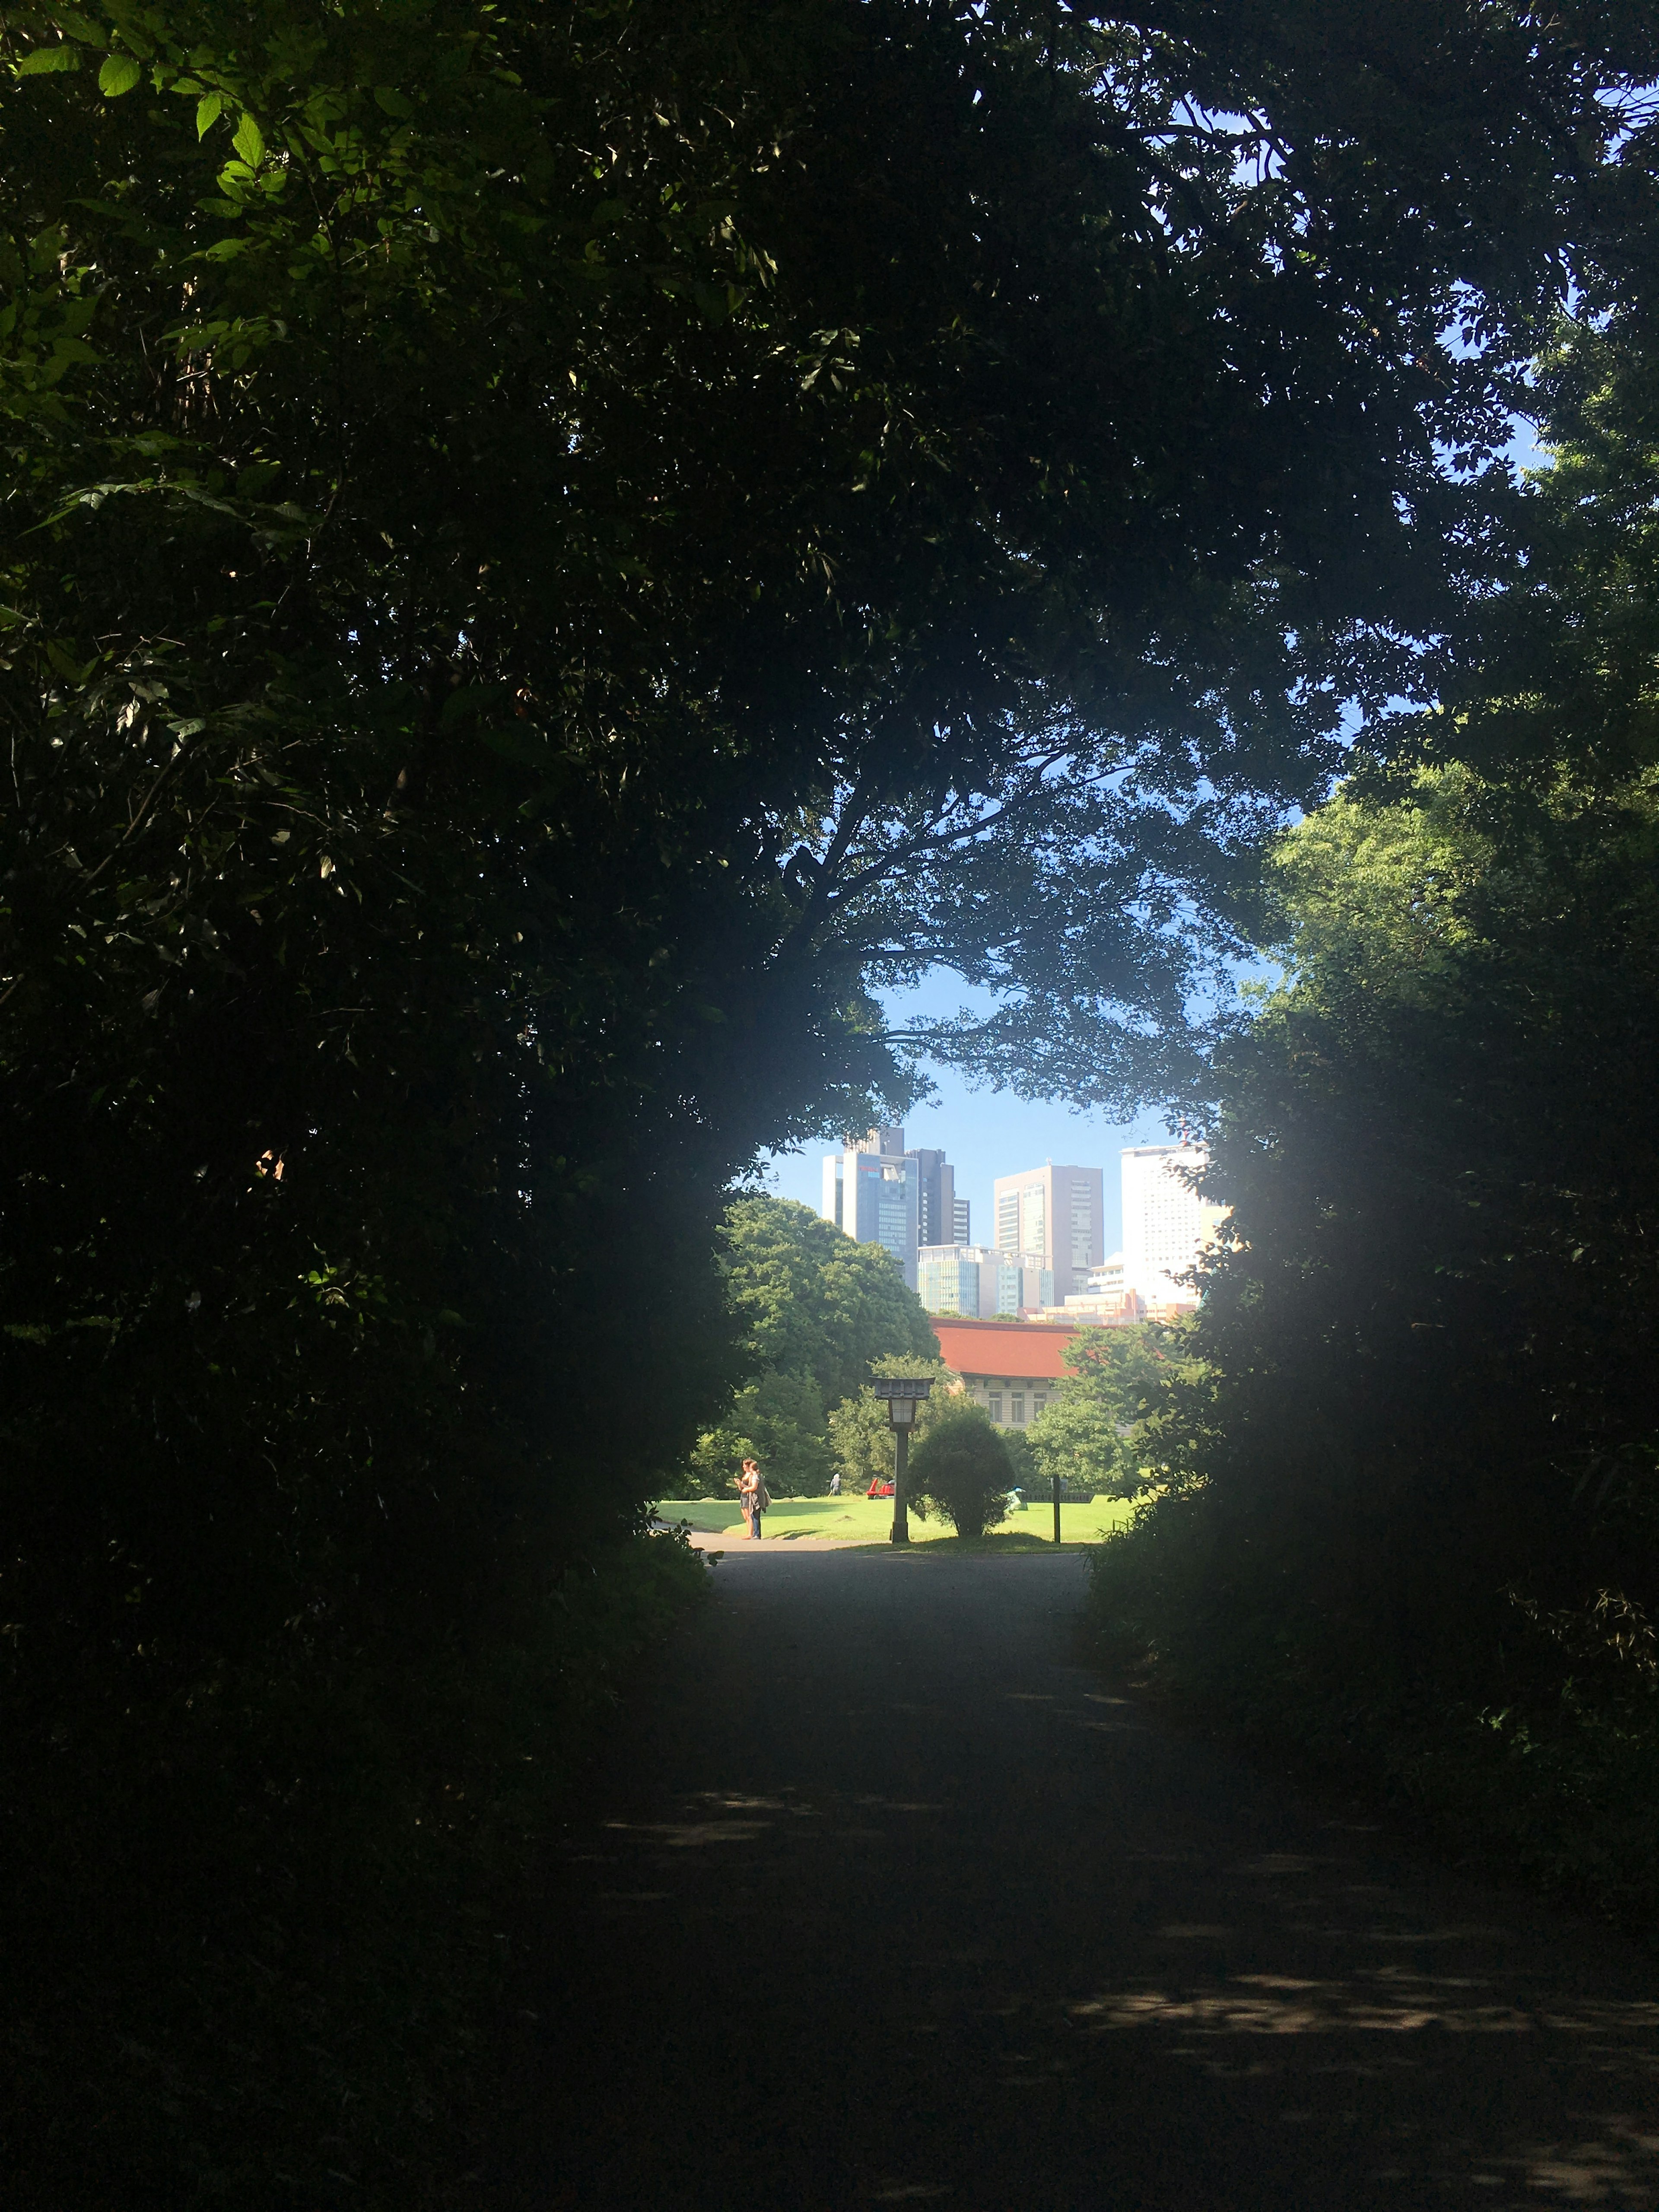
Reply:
x=889, y=1900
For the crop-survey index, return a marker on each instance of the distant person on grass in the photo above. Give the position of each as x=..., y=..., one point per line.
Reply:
x=754, y=1497
x=834, y=1483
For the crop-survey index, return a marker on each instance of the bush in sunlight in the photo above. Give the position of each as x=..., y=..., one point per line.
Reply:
x=960, y=1470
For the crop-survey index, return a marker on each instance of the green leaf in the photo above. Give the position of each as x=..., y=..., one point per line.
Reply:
x=118, y=74
x=392, y=102
x=46, y=61
x=208, y=108
x=77, y=26
x=249, y=142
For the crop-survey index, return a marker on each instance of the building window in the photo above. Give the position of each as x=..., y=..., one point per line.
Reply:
x=1019, y=1407
x=995, y=1403
x=1037, y=1404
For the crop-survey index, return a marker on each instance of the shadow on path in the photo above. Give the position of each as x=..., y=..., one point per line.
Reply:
x=889, y=1902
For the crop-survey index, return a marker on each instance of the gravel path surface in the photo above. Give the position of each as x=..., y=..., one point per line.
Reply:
x=889, y=1900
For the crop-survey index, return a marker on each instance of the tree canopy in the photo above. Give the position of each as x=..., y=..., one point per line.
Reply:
x=818, y=1312
x=1086, y=1433
x=814, y=1302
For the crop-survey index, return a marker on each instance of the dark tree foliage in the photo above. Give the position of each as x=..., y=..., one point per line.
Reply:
x=543, y=547
x=1425, y=1382
x=1409, y=1494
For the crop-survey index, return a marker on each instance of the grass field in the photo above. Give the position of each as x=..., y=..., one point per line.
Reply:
x=868, y=1520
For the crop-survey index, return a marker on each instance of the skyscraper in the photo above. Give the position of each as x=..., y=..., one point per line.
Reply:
x=1058, y=1212
x=1165, y=1223
x=881, y=1193
x=936, y=1197
x=872, y=1189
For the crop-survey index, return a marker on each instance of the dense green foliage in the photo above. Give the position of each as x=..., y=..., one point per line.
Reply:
x=820, y=1312
x=1084, y=1434
x=960, y=1468
x=544, y=549
x=1407, y=1501
x=860, y=1434
x=1408, y=1494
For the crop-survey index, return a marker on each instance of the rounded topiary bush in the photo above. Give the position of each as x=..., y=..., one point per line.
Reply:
x=961, y=1468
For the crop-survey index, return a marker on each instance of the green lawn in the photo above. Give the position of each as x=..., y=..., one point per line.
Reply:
x=868, y=1520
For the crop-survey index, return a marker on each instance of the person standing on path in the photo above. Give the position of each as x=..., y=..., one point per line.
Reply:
x=754, y=1497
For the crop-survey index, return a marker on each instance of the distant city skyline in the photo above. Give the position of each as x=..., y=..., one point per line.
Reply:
x=984, y=1133
x=987, y=1134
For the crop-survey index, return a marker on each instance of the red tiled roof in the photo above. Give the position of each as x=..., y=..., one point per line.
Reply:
x=1014, y=1348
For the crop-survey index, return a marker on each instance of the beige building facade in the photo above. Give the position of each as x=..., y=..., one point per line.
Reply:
x=1058, y=1212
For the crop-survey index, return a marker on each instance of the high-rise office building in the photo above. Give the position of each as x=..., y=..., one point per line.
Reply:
x=974, y=1280
x=1058, y=1212
x=871, y=1189
x=1166, y=1224
x=936, y=1198
x=865, y=1192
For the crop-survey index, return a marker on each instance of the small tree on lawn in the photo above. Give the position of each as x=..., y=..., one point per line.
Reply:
x=1094, y=1429
x=961, y=1468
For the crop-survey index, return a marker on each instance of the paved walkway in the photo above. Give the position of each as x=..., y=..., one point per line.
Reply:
x=890, y=1900
x=739, y=1539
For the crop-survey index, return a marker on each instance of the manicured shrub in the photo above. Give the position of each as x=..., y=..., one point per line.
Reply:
x=961, y=1469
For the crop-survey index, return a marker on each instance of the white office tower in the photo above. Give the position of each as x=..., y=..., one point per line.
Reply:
x=972, y=1280
x=1166, y=1224
x=1058, y=1212
x=871, y=1189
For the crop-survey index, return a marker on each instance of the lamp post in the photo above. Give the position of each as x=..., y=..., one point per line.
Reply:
x=903, y=1393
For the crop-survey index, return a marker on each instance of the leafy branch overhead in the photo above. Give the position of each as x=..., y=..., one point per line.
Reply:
x=947, y=514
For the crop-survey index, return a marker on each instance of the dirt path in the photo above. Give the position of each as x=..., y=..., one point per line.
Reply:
x=892, y=1902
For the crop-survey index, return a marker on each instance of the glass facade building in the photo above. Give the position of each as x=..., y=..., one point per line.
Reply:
x=872, y=1190
x=973, y=1280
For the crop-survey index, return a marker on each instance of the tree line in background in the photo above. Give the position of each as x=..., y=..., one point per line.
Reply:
x=820, y=1314
x=549, y=553
x=823, y=1314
